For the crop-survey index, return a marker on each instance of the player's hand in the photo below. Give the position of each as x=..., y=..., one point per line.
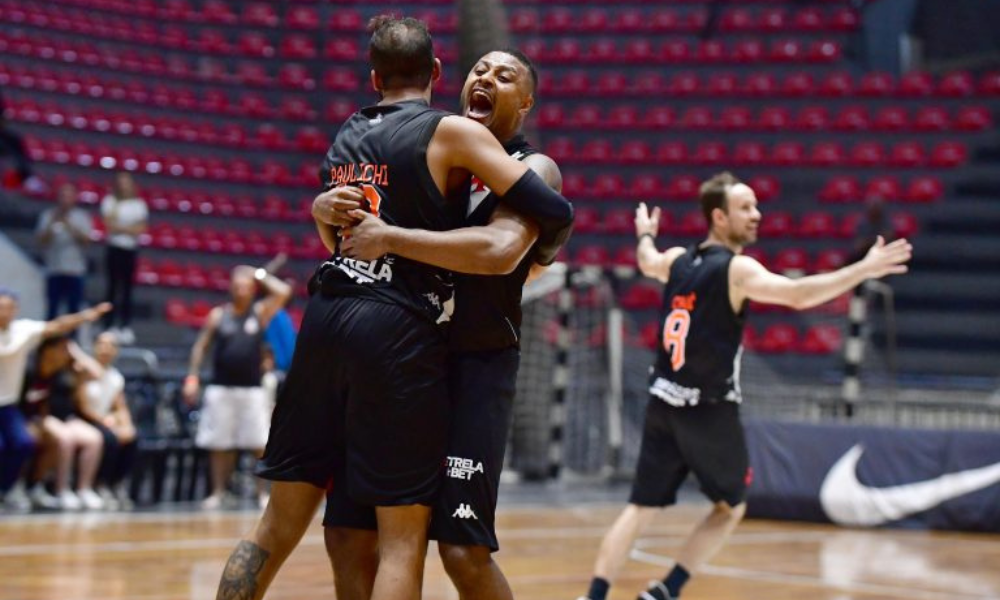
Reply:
x=367, y=238
x=646, y=222
x=96, y=312
x=190, y=391
x=333, y=206
x=888, y=259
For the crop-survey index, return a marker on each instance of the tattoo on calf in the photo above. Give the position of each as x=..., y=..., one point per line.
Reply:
x=239, y=579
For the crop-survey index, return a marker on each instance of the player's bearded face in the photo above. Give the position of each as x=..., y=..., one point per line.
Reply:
x=495, y=91
x=742, y=215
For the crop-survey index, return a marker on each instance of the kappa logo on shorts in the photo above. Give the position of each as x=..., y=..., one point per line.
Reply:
x=464, y=511
x=463, y=468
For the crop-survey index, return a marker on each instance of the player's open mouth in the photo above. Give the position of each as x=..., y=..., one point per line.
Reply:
x=480, y=105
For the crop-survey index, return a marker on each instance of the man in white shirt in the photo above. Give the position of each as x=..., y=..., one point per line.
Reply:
x=18, y=337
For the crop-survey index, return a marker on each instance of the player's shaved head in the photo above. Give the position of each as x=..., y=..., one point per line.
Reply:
x=401, y=52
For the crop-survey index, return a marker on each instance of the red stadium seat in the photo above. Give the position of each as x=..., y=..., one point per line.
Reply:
x=659, y=117
x=798, y=84
x=684, y=187
x=931, y=118
x=974, y=118
x=341, y=49
x=837, y=84
x=635, y=152
x=816, y=224
x=891, y=118
x=844, y=19
x=260, y=14
x=765, y=187
x=776, y=224
x=830, y=259
x=586, y=220
x=302, y=17
x=916, y=83
x=296, y=76
x=610, y=84
x=624, y=116
x=788, y=154
x=737, y=19
x=777, y=339
x=948, y=154
x=691, y=224
x=749, y=153
x=619, y=221
x=772, y=19
x=907, y=154
x=723, y=84
x=989, y=84
x=852, y=118
x=748, y=51
x=348, y=20
x=608, y=186
x=523, y=20
x=586, y=116
x=597, y=151
x=821, y=339
x=867, y=154
x=924, y=189
x=696, y=117
x=884, y=187
x=827, y=154
x=760, y=84
x=710, y=153
x=550, y=116
x=808, y=19
x=641, y=296
x=876, y=84
x=602, y=51
x=904, y=225
x=340, y=79
x=812, y=118
x=787, y=50
x=671, y=153
x=958, y=84
x=791, y=261
x=646, y=187
x=592, y=255
x=774, y=118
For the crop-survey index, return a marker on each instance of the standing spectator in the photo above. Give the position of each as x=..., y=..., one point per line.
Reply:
x=64, y=233
x=11, y=144
x=236, y=413
x=101, y=401
x=18, y=337
x=126, y=217
x=47, y=402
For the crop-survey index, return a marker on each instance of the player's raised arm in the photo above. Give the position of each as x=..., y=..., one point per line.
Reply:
x=751, y=280
x=652, y=262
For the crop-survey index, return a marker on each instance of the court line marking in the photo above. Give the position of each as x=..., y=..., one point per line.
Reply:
x=786, y=579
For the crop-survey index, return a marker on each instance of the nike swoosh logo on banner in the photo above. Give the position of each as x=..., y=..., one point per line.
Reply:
x=849, y=502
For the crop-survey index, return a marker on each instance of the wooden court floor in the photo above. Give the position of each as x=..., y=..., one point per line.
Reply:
x=547, y=552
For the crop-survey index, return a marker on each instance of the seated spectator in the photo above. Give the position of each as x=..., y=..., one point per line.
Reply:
x=101, y=402
x=18, y=337
x=47, y=403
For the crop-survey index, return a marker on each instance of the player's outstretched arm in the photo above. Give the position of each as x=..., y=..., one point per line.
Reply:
x=67, y=323
x=652, y=262
x=748, y=279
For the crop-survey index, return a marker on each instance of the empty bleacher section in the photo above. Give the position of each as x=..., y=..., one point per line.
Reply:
x=222, y=110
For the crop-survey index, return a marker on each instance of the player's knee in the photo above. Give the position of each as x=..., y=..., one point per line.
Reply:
x=465, y=563
x=354, y=545
x=733, y=513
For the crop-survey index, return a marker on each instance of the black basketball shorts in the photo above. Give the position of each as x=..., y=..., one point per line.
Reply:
x=482, y=386
x=367, y=386
x=705, y=439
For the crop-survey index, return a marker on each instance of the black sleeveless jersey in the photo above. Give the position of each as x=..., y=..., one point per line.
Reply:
x=237, y=355
x=488, y=313
x=701, y=338
x=383, y=150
